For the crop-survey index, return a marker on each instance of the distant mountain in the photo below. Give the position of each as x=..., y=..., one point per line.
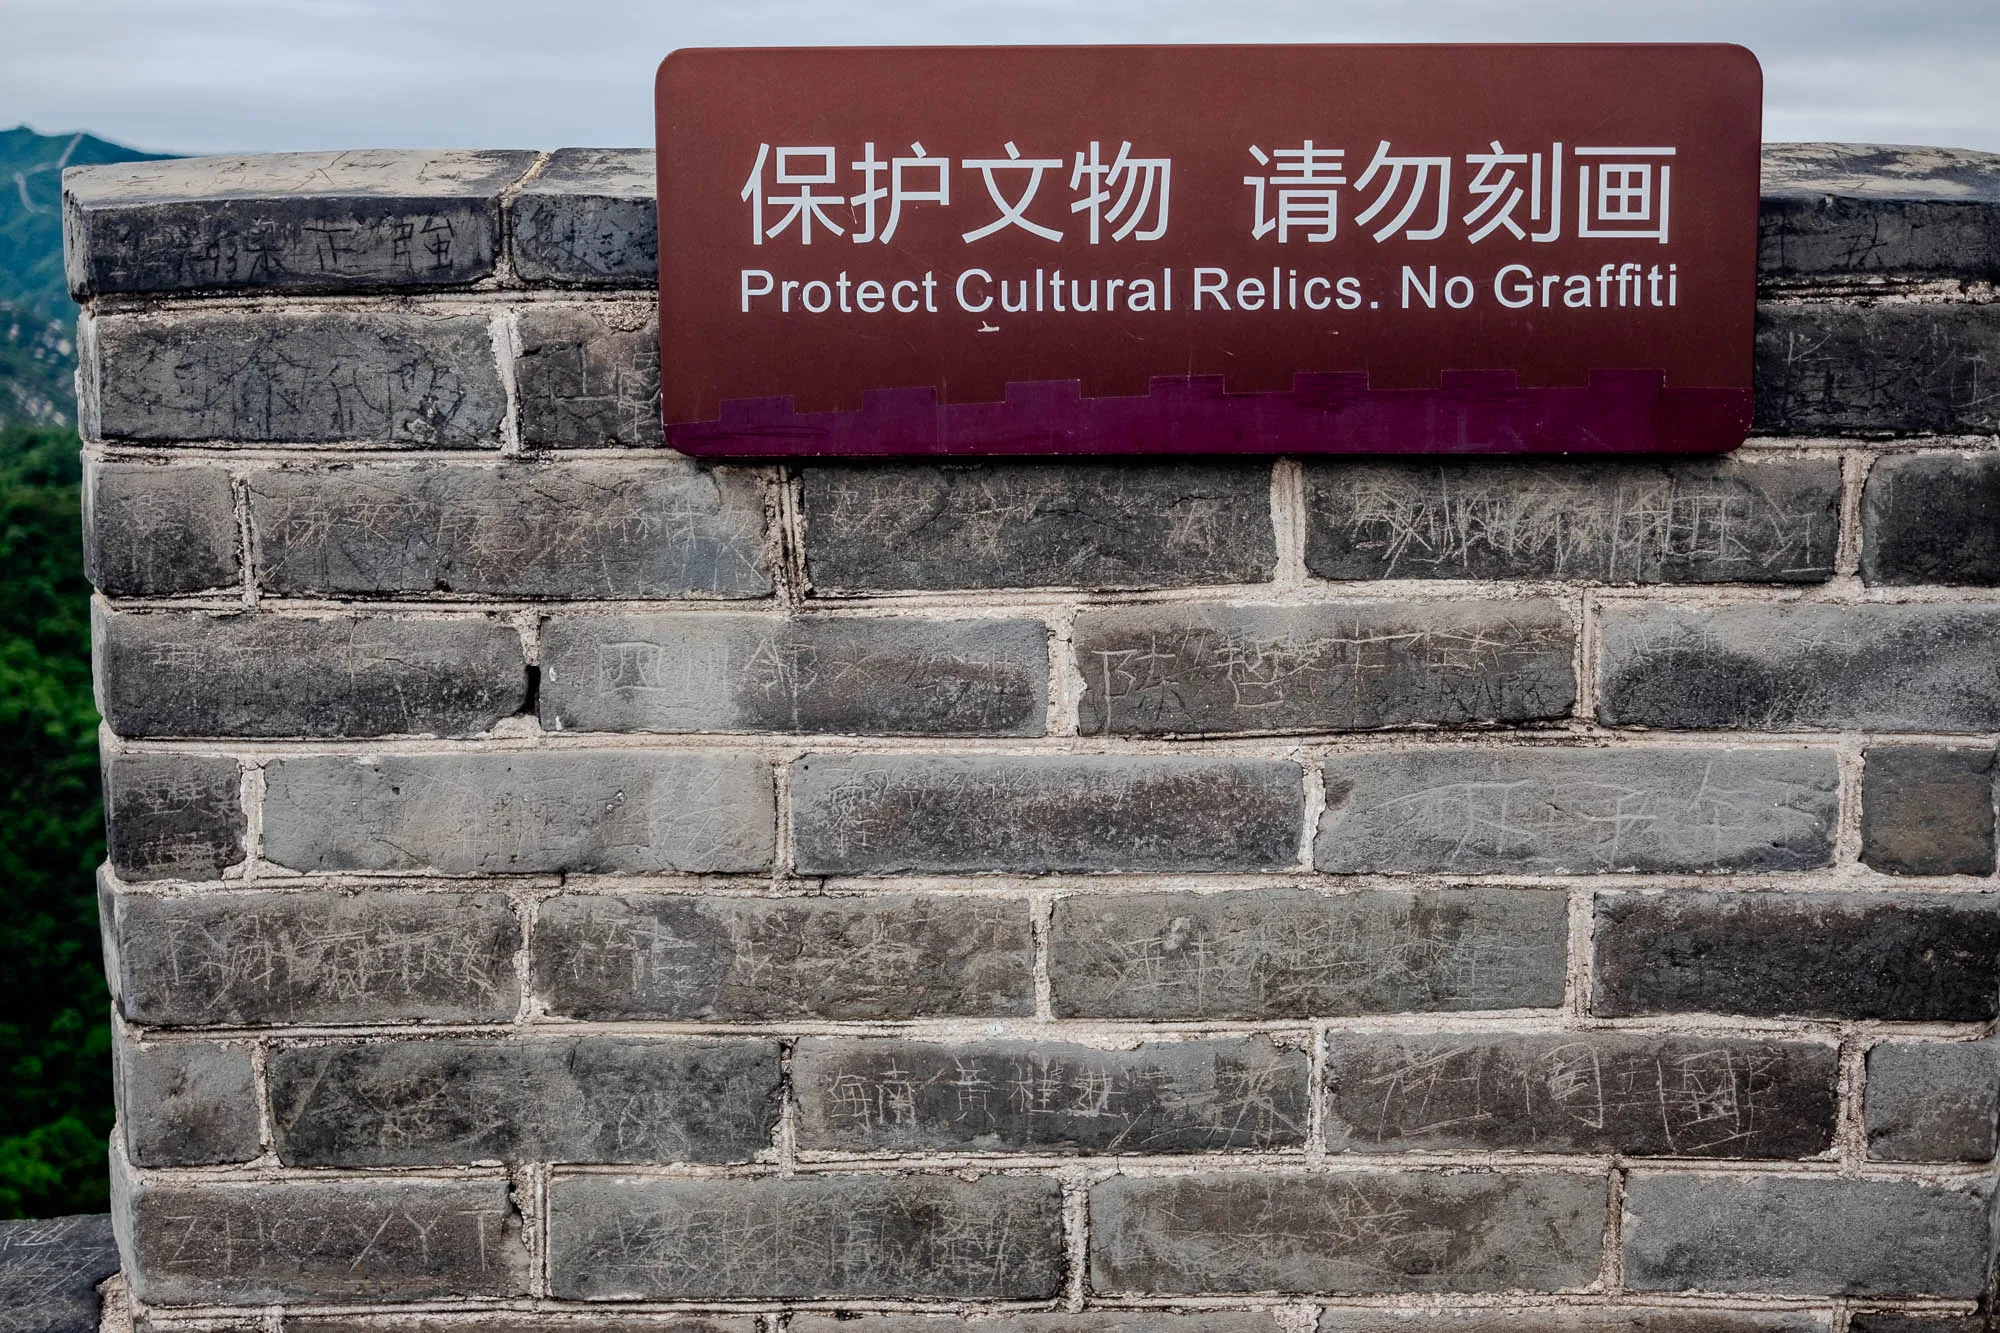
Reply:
x=37, y=343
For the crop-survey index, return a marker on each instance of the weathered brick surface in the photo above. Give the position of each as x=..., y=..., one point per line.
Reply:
x=1291, y=953
x=286, y=221
x=1131, y=524
x=1095, y=1321
x=1802, y=1235
x=1802, y=667
x=1927, y=1321
x=891, y=1095
x=1579, y=1092
x=489, y=1320
x=196, y=673
x=388, y=378
x=1572, y=1319
x=1899, y=957
x=50, y=1268
x=1387, y=1231
x=1159, y=670
x=588, y=378
x=190, y=1103
x=459, y=1101
x=869, y=815
x=588, y=216
x=1832, y=209
x=900, y=1237
x=172, y=816
x=1473, y=809
x=261, y=1242
x=1758, y=519
x=898, y=676
x=735, y=959
x=314, y=955
x=1933, y=1101
x=1927, y=810
x=1824, y=368
x=152, y=531
x=545, y=811
x=1932, y=518
x=585, y=528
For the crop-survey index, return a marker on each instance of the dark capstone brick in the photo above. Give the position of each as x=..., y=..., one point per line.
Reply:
x=1767, y=519
x=676, y=956
x=288, y=221
x=196, y=673
x=1162, y=669
x=1094, y=1321
x=1478, y=809
x=1897, y=957
x=870, y=815
x=152, y=531
x=581, y=528
x=1929, y=1321
x=589, y=216
x=49, y=1271
x=1128, y=524
x=1802, y=667
x=895, y=676
x=1569, y=1319
x=190, y=1103
x=460, y=1101
x=1163, y=1097
x=1927, y=810
x=1359, y=1232
x=1579, y=1092
x=172, y=816
x=1829, y=368
x=521, y=812
x=902, y=1238
x=376, y=377
x=1292, y=953
x=1802, y=1235
x=589, y=378
x=261, y=1242
x=1837, y=209
x=315, y=955
x=1932, y=518
x=1933, y=1101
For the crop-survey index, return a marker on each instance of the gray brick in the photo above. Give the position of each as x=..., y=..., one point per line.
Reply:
x=1802, y=1235
x=152, y=531
x=196, y=673
x=890, y=1095
x=1477, y=809
x=1569, y=1319
x=1166, y=669
x=1129, y=524
x=50, y=1268
x=213, y=1242
x=907, y=1237
x=491, y=1320
x=588, y=528
x=1292, y=953
x=1762, y=519
x=189, y=1103
x=1932, y=518
x=315, y=955
x=589, y=378
x=1933, y=1101
x=1802, y=667
x=1839, y=210
x=880, y=815
x=1926, y=1321
x=378, y=377
x=895, y=676
x=346, y=221
x=737, y=959
x=1927, y=810
x=1094, y=1321
x=172, y=816
x=1579, y=1092
x=1386, y=1231
x=589, y=216
x=465, y=1100
x=1831, y=368
x=547, y=811
x=1897, y=957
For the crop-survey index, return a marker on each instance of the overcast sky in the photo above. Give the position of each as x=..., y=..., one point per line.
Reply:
x=260, y=75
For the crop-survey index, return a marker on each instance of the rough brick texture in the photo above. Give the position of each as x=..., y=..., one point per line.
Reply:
x=1932, y=518
x=173, y=816
x=588, y=216
x=1933, y=1101
x=1927, y=810
x=190, y=1103
x=152, y=531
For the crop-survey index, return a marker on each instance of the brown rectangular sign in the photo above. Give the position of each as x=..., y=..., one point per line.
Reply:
x=1207, y=249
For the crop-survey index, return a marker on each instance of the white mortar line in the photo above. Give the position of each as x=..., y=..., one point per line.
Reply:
x=505, y=333
x=1288, y=523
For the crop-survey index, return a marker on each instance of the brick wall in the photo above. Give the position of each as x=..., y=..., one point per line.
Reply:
x=547, y=876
